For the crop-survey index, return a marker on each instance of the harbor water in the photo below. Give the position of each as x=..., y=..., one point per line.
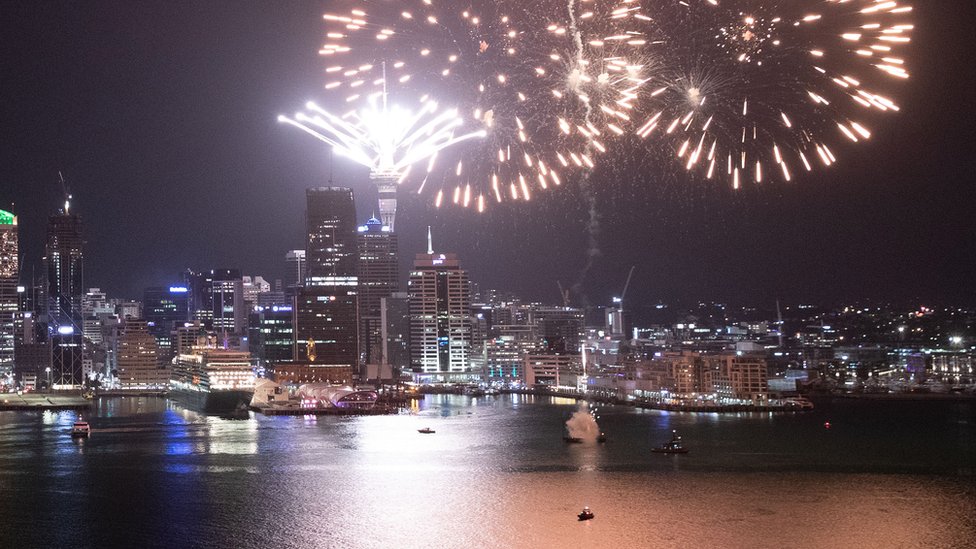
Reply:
x=495, y=474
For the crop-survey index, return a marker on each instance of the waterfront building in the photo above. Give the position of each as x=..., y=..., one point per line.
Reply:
x=556, y=372
x=32, y=349
x=395, y=321
x=504, y=353
x=9, y=299
x=440, y=323
x=300, y=373
x=271, y=333
x=378, y=278
x=137, y=362
x=63, y=265
x=326, y=324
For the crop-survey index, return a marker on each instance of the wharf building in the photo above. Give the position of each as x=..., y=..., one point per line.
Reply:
x=138, y=365
x=689, y=377
x=440, y=320
x=378, y=279
x=9, y=299
x=63, y=266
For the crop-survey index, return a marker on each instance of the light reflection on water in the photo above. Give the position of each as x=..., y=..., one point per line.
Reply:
x=496, y=473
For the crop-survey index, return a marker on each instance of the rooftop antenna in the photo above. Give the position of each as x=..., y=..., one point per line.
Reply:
x=430, y=242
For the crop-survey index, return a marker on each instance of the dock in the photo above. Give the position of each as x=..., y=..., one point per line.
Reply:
x=43, y=401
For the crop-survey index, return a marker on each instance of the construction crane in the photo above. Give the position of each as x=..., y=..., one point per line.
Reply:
x=563, y=294
x=620, y=300
x=67, y=195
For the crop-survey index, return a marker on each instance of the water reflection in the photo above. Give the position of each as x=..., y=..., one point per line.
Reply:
x=496, y=474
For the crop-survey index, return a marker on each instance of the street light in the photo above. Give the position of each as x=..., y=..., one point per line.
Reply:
x=48, y=370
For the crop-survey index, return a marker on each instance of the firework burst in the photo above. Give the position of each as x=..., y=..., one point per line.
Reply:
x=757, y=90
x=547, y=82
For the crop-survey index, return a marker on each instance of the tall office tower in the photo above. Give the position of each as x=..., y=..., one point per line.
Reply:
x=330, y=246
x=199, y=300
x=294, y=268
x=271, y=333
x=326, y=309
x=440, y=323
x=395, y=320
x=561, y=328
x=377, y=246
x=138, y=365
x=326, y=325
x=63, y=263
x=227, y=293
x=9, y=298
x=165, y=309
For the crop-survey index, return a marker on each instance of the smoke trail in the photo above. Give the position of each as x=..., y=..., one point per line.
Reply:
x=582, y=425
x=593, y=224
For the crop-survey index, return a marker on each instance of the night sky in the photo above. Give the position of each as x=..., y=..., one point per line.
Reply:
x=162, y=117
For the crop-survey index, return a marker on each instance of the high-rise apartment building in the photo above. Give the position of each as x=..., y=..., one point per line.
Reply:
x=378, y=278
x=63, y=264
x=440, y=325
x=9, y=299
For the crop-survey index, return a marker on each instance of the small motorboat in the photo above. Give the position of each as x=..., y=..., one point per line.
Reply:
x=80, y=429
x=672, y=446
x=585, y=514
x=426, y=431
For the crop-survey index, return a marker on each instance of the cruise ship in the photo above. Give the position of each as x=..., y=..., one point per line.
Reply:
x=213, y=381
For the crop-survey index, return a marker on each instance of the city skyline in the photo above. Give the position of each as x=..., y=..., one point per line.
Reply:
x=881, y=225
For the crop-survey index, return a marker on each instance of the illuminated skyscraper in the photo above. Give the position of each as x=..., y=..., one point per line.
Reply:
x=440, y=322
x=326, y=309
x=378, y=272
x=9, y=299
x=227, y=293
x=165, y=309
x=330, y=246
x=63, y=264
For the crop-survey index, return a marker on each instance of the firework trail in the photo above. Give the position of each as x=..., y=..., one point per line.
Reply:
x=759, y=90
x=547, y=82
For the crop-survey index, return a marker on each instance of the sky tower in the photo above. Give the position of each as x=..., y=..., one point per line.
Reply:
x=387, y=139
